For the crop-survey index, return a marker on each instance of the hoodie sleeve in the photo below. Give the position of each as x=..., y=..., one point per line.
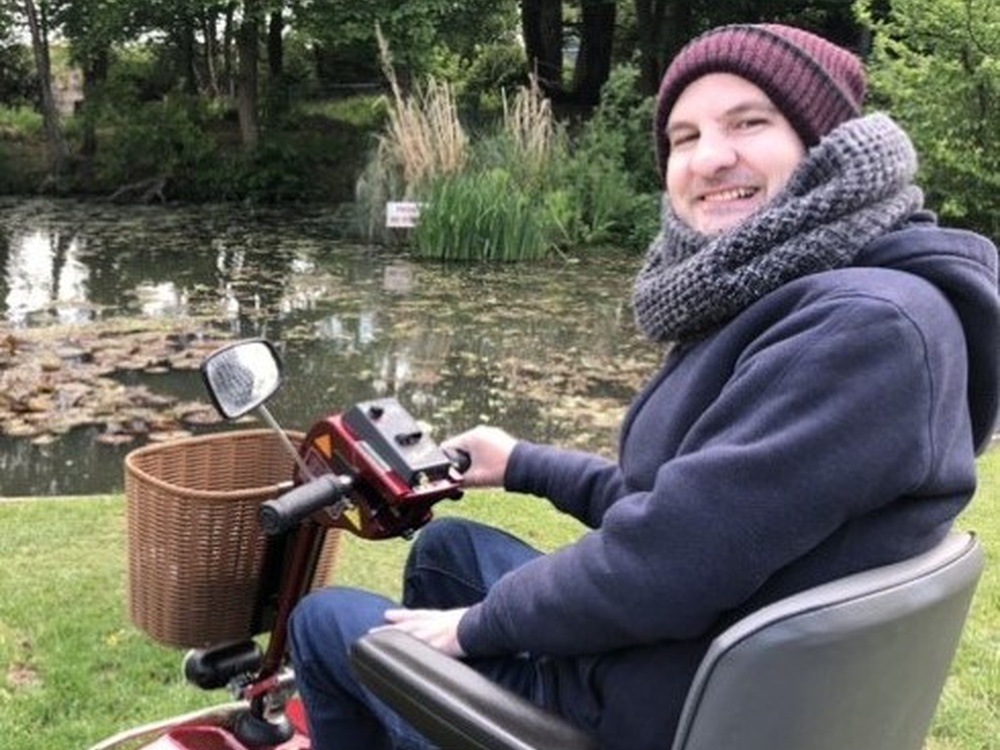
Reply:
x=577, y=483
x=843, y=406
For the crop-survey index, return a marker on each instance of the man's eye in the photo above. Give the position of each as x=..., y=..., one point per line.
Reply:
x=681, y=139
x=751, y=122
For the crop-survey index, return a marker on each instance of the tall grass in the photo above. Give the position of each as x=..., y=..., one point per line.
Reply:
x=496, y=209
x=422, y=140
x=529, y=121
x=481, y=216
x=476, y=206
x=567, y=192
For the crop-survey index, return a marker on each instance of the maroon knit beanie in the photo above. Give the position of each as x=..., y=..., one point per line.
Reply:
x=814, y=83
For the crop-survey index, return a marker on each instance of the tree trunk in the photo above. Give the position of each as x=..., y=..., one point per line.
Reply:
x=277, y=92
x=211, y=51
x=593, y=63
x=186, y=53
x=227, y=50
x=664, y=26
x=95, y=73
x=56, y=139
x=247, y=38
x=541, y=27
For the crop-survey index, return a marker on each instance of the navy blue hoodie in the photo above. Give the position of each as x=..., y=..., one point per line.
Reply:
x=830, y=427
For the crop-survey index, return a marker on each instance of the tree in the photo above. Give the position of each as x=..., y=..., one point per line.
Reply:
x=544, y=27
x=91, y=28
x=936, y=67
x=663, y=26
x=55, y=137
x=343, y=33
x=542, y=31
x=247, y=87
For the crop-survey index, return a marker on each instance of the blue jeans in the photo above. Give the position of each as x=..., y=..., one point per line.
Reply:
x=452, y=563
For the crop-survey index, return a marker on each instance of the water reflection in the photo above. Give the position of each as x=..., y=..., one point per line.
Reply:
x=45, y=273
x=548, y=351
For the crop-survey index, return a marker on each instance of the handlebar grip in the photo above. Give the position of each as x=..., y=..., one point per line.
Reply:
x=459, y=458
x=287, y=511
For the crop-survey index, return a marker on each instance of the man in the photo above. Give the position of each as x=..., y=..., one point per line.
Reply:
x=832, y=372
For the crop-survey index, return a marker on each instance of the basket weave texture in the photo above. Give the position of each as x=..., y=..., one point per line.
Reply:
x=195, y=550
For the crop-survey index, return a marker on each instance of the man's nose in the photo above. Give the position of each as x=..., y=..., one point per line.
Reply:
x=712, y=153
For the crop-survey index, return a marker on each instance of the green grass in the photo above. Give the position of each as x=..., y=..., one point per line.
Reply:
x=76, y=671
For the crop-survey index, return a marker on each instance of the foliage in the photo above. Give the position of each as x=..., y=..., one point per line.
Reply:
x=423, y=137
x=19, y=122
x=136, y=51
x=497, y=209
x=625, y=109
x=422, y=140
x=482, y=82
x=610, y=177
x=936, y=67
x=18, y=81
x=415, y=28
x=157, y=138
x=188, y=143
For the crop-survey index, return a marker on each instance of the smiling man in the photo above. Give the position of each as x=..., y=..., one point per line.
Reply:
x=731, y=152
x=832, y=370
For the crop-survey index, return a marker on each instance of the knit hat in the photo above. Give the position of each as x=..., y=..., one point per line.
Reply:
x=814, y=83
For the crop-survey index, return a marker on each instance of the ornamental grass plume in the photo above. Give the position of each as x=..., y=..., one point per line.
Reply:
x=530, y=123
x=424, y=136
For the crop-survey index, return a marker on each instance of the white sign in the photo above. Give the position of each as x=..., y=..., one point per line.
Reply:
x=402, y=214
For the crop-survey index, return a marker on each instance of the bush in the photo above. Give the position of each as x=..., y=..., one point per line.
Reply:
x=497, y=68
x=155, y=139
x=936, y=67
x=20, y=122
x=18, y=81
x=609, y=177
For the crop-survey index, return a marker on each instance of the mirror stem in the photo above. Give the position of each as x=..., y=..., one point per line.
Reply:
x=273, y=424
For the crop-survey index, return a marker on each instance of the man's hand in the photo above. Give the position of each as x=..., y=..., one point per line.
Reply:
x=489, y=450
x=435, y=627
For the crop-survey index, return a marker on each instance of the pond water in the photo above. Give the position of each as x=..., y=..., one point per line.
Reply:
x=548, y=351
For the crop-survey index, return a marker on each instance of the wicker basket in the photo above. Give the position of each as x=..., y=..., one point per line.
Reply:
x=195, y=551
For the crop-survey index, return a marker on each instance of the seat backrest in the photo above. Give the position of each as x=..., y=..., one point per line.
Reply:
x=856, y=664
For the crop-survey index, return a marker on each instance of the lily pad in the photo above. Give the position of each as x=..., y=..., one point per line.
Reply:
x=58, y=378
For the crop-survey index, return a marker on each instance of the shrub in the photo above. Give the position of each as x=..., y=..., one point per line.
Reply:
x=609, y=178
x=497, y=68
x=20, y=122
x=155, y=139
x=936, y=67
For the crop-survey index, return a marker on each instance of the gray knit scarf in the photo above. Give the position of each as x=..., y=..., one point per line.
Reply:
x=854, y=186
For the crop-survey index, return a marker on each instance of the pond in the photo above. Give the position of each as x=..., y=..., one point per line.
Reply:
x=106, y=311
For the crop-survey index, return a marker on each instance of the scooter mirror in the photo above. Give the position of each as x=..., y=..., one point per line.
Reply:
x=242, y=376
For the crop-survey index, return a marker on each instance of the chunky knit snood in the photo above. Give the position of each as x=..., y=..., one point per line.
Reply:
x=854, y=186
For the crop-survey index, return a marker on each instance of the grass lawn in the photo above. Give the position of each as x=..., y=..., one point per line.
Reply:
x=76, y=670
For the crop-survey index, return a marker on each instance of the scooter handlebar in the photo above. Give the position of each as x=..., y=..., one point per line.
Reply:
x=459, y=458
x=287, y=511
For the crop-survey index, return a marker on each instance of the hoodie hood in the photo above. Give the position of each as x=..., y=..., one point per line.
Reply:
x=963, y=265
